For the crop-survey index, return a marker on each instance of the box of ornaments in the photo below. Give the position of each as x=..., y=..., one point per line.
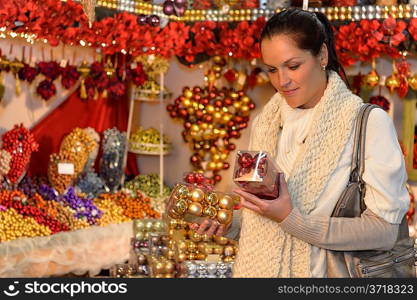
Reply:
x=193, y=204
x=257, y=173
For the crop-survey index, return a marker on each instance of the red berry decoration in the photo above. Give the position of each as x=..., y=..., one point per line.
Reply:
x=20, y=143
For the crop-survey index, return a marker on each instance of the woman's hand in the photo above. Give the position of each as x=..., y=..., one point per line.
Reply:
x=277, y=209
x=210, y=227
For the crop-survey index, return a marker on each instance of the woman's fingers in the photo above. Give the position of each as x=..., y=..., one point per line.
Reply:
x=203, y=227
x=283, y=188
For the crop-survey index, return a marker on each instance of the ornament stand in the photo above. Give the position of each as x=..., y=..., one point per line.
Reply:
x=161, y=149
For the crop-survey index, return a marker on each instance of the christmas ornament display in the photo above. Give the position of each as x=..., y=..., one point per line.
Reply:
x=255, y=172
x=111, y=164
x=60, y=182
x=187, y=245
x=150, y=90
x=76, y=147
x=147, y=184
x=211, y=118
x=147, y=141
x=93, y=147
x=91, y=184
x=20, y=144
x=194, y=204
x=84, y=208
x=112, y=213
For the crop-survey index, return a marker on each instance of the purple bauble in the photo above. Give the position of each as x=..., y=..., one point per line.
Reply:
x=179, y=11
x=180, y=3
x=153, y=20
x=168, y=8
x=142, y=19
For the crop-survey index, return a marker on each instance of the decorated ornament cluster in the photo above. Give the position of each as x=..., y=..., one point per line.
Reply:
x=212, y=118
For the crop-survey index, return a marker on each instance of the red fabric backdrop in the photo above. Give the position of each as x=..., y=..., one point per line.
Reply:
x=75, y=112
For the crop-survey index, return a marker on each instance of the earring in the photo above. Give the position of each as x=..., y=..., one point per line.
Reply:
x=323, y=68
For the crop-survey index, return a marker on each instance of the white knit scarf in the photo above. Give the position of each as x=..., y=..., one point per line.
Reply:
x=265, y=250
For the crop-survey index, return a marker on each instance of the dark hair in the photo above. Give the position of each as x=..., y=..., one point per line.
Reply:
x=309, y=30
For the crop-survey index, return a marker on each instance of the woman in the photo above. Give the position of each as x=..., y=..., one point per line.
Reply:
x=307, y=127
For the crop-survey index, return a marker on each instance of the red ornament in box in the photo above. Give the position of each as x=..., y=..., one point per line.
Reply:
x=257, y=174
x=20, y=143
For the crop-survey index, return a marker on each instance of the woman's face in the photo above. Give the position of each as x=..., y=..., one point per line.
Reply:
x=295, y=73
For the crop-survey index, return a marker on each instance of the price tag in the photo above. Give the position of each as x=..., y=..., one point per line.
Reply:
x=66, y=169
x=63, y=63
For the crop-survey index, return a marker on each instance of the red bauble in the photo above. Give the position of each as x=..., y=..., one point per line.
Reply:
x=231, y=147
x=228, y=101
x=218, y=103
x=226, y=165
x=173, y=114
x=170, y=107
x=217, y=178
x=244, y=160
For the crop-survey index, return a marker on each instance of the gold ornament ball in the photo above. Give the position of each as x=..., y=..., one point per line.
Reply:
x=180, y=206
x=197, y=195
x=140, y=235
x=195, y=237
x=188, y=93
x=169, y=267
x=221, y=240
x=392, y=83
x=206, y=238
x=224, y=216
x=170, y=254
x=201, y=247
x=226, y=202
x=218, y=249
x=159, y=268
x=182, y=257
x=228, y=259
x=201, y=256
x=212, y=199
x=412, y=82
x=140, y=225
x=211, y=165
x=245, y=100
x=182, y=192
x=372, y=79
x=228, y=251
x=195, y=208
x=191, y=247
x=210, y=211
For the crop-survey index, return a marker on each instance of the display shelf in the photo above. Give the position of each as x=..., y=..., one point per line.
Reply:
x=88, y=250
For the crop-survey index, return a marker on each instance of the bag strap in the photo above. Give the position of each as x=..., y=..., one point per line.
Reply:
x=358, y=157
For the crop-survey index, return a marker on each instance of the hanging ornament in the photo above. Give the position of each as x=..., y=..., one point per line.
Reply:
x=2, y=88
x=371, y=80
x=392, y=82
x=16, y=66
x=412, y=82
x=84, y=70
x=89, y=7
x=403, y=71
x=380, y=101
x=153, y=67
